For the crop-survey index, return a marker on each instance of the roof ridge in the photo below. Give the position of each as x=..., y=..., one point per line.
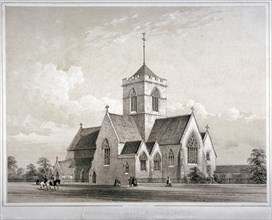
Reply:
x=92, y=127
x=177, y=116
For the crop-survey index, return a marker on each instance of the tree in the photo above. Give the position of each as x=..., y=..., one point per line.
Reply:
x=196, y=176
x=31, y=172
x=12, y=166
x=44, y=167
x=20, y=173
x=257, y=162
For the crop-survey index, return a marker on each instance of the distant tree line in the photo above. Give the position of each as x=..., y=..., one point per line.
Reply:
x=30, y=172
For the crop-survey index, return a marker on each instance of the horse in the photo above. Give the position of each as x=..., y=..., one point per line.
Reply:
x=54, y=183
x=45, y=185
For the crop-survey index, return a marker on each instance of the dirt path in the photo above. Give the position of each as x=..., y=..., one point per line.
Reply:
x=75, y=193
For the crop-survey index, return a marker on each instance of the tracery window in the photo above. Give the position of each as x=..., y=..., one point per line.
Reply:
x=143, y=159
x=157, y=162
x=133, y=101
x=106, y=148
x=171, y=158
x=192, y=146
x=155, y=100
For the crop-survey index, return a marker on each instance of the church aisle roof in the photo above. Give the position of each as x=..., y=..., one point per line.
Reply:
x=125, y=127
x=232, y=169
x=144, y=70
x=149, y=146
x=85, y=139
x=202, y=135
x=131, y=147
x=168, y=130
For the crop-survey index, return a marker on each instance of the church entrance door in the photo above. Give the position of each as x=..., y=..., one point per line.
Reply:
x=94, y=177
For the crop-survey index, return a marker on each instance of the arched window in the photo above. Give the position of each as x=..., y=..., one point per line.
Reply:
x=192, y=146
x=208, y=158
x=106, y=148
x=155, y=100
x=126, y=168
x=171, y=158
x=157, y=162
x=143, y=159
x=133, y=101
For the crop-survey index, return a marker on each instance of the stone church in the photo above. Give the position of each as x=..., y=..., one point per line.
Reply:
x=142, y=142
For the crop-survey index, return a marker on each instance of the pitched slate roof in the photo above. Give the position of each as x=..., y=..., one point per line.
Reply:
x=125, y=128
x=168, y=130
x=87, y=162
x=65, y=166
x=232, y=169
x=131, y=147
x=149, y=146
x=85, y=139
x=144, y=70
x=202, y=134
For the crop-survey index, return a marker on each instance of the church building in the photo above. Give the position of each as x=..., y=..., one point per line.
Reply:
x=142, y=142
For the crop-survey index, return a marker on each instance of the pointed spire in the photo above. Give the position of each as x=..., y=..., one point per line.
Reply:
x=143, y=38
x=107, y=108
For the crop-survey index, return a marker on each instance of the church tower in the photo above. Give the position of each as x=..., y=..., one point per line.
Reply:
x=144, y=97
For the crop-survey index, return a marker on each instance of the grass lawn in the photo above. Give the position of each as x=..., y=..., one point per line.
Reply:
x=73, y=193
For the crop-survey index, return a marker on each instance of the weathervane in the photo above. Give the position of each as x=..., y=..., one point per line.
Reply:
x=143, y=48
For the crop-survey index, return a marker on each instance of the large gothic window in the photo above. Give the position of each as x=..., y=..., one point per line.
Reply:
x=155, y=100
x=143, y=159
x=106, y=148
x=171, y=158
x=133, y=101
x=157, y=162
x=192, y=147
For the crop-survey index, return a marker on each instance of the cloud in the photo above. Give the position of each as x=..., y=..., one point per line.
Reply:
x=231, y=114
x=174, y=23
x=199, y=109
x=122, y=20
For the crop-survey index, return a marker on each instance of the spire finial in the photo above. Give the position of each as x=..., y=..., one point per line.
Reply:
x=192, y=108
x=207, y=127
x=80, y=125
x=107, y=108
x=143, y=48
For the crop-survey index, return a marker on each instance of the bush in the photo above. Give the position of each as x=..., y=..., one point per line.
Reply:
x=196, y=176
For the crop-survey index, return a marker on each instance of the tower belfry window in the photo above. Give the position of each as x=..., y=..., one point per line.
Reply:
x=155, y=100
x=133, y=101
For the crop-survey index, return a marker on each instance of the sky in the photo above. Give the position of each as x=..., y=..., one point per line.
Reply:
x=65, y=64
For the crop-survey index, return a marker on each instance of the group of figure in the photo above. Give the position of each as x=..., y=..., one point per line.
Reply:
x=132, y=181
x=47, y=184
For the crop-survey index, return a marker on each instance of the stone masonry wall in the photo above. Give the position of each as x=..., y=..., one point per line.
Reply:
x=105, y=174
